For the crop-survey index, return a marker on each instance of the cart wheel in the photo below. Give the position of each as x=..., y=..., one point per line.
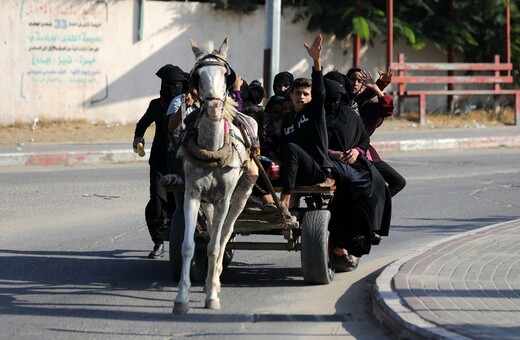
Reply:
x=228, y=255
x=199, y=263
x=316, y=264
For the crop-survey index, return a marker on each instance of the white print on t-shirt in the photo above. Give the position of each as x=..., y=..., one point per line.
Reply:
x=290, y=129
x=303, y=119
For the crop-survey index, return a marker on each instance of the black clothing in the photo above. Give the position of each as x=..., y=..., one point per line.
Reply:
x=346, y=130
x=304, y=141
x=308, y=128
x=161, y=204
x=359, y=206
x=336, y=76
x=282, y=77
x=395, y=181
x=159, y=208
x=299, y=167
x=174, y=81
x=361, y=203
x=156, y=113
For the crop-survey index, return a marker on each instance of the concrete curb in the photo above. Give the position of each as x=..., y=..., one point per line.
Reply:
x=389, y=309
x=70, y=158
x=448, y=144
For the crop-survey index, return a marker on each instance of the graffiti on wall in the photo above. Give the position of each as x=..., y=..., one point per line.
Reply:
x=63, y=40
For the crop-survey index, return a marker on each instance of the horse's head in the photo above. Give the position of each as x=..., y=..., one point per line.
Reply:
x=212, y=77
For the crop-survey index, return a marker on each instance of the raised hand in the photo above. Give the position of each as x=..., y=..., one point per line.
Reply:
x=315, y=49
x=386, y=77
x=367, y=79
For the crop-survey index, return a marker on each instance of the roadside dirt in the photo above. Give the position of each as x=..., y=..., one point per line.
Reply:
x=82, y=131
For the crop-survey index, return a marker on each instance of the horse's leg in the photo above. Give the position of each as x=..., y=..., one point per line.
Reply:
x=209, y=212
x=238, y=202
x=191, y=208
x=212, y=280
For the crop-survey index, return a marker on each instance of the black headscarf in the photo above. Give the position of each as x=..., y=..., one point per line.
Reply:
x=174, y=81
x=274, y=100
x=256, y=87
x=282, y=77
x=352, y=70
x=345, y=128
x=337, y=76
x=333, y=93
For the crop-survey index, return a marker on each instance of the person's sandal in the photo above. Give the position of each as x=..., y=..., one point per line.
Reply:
x=329, y=182
x=269, y=207
x=345, y=263
x=376, y=239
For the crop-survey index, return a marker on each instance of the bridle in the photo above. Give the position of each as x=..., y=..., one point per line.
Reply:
x=212, y=60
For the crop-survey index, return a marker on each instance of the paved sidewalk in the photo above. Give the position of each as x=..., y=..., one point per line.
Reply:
x=466, y=286
x=383, y=141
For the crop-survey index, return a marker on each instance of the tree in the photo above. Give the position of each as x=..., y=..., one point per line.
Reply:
x=476, y=29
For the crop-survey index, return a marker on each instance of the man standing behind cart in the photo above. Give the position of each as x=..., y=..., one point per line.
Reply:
x=161, y=205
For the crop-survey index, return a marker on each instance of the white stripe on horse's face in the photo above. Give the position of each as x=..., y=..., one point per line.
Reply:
x=212, y=82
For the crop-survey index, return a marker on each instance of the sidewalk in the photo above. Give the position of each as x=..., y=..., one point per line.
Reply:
x=466, y=286
x=383, y=141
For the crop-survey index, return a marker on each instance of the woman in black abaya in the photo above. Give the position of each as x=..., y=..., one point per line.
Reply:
x=361, y=207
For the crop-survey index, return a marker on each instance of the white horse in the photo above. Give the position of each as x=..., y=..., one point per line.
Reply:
x=218, y=168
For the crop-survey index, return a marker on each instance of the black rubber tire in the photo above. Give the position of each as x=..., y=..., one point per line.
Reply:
x=315, y=253
x=176, y=237
x=199, y=262
x=228, y=255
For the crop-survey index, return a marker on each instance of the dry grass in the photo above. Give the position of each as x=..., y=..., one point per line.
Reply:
x=476, y=118
x=72, y=131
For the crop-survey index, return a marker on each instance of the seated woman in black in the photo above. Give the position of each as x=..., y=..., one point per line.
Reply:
x=361, y=204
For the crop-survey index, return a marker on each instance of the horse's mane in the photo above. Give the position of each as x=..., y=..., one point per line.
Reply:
x=230, y=109
x=206, y=48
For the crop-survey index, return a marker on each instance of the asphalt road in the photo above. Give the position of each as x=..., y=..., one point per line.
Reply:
x=73, y=246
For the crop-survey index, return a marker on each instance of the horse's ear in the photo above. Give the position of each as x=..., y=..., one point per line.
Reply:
x=195, y=49
x=223, y=48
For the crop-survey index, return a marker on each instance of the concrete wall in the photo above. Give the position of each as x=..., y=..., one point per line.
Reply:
x=82, y=59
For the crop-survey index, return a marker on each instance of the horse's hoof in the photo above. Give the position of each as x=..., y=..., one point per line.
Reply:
x=180, y=308
x=213, y=304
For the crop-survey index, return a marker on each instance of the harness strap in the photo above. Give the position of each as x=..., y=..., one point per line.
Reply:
x=207, y=158
x=248, y=133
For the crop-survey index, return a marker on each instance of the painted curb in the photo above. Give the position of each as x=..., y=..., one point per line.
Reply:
x=70, y=158
x=448, y=144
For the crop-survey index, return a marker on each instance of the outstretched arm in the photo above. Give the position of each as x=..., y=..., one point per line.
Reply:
x=385, y=78
x=315, y=51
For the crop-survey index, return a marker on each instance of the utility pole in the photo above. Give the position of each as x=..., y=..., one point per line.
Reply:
x=273, y=11
x=357, y=44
